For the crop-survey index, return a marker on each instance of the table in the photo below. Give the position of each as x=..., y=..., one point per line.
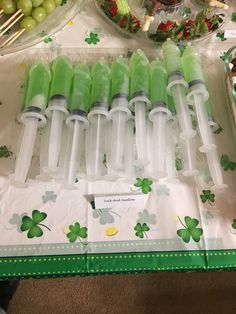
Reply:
x=111, y=240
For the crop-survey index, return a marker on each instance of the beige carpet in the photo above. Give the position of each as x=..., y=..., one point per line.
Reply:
x=161, y=293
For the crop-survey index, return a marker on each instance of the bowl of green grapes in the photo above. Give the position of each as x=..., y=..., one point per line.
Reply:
x=24, y=23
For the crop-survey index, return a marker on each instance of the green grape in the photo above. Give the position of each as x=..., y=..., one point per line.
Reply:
x=36, y=3
x=58, y=2
x=25, y=6
x=39, y=14
x=49, y=6
x=8, y=6
x=28, y=23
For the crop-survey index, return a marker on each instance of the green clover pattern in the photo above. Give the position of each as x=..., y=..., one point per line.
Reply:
x=49, y=196
x=223, y=56
x=16, y=220
x=146, y=218
x=93, y=38
x=227, y=164
x=141, y=230
x=77, y=232
x=233, y=17
x=105, y=215
x=32, y=224
x=207, y=196
x=207, y=216
x=47, y=39
x=218, y=130
x=190, y=230
x=221, y=36
x=143, y=184
x=5, y=152
x=179, y=164
x=163, y=190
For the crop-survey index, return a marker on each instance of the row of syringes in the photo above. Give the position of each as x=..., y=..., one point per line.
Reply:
x=106, y=104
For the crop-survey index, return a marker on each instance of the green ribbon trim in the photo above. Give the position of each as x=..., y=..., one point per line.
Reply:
x=71, y=265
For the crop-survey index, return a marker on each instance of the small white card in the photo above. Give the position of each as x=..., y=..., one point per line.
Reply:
x=230, y=33
x=115, y=201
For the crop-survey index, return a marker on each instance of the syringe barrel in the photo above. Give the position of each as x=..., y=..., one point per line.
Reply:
x=177, y=89
x=159, y=144
x=189, y=156
x=95, y=144
x=198, y=96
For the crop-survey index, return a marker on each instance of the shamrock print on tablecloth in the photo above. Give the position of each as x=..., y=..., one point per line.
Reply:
x=226, y=163
x=143, y=184
x=16, y=221
x=47, y=39
x=32, y=224
x=190, y=230
x=179, y=164
x=5, y=152
x=234, y=225
x=221, y=36
x=49, y=196
x=223, y=55
x=104, y=214
x=163, y=190
x=207, y=196
x=93, y=38
x=141, y=230
x=146, y=218
x=207, y=216
x=77, y=232
x=218, y=130
x=233, y=17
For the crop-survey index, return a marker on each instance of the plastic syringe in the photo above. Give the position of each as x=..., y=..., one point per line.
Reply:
x=149, y=167
x=211, y=121
x=139, y=102
x=159, y=115
x=100, y=94
x=198, y=96
x=130, y=150
x=39, y=77
x=177, y=87
x=79, y=107
x=119, y=113
x=172, y=136
x=57, y=108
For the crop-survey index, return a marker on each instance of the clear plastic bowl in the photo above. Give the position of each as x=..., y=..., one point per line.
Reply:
x=230, y=79
x=54, y=22
x=187, y=9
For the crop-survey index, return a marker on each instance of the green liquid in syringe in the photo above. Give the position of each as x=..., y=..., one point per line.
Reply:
x=139, y=78
x=171, y=54
x=61, y=79
x=100, y=92
x=39, y=77
x=158, y=82
x=81, y=86
x=192, y=65
x=120, y=77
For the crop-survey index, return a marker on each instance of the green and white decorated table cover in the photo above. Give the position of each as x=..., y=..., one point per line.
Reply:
x=182, y=226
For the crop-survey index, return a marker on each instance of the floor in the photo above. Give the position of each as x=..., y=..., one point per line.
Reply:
x=162, y=293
